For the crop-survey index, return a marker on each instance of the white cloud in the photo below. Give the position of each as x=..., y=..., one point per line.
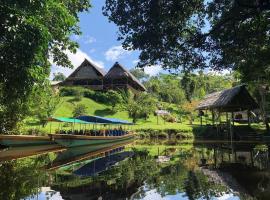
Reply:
x=76, y=59
x=116, y=52
x=153, y=70
x=89, y=39
x=135, y=62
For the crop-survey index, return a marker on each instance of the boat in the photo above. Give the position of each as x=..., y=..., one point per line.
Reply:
x=80, y=140
x=24, y=140
x=12, y=153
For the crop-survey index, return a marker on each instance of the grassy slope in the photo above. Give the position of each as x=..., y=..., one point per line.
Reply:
x=66, y=107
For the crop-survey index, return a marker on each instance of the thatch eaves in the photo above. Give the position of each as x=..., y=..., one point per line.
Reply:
x=86, y=64
x=230, y=100
x=118, y=71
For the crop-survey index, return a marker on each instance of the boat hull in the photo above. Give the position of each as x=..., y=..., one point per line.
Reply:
x=24, y=140
x=81, y=140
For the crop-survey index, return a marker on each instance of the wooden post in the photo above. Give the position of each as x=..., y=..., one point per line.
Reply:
x=213, y=118
x=248, y=115
x=201, y=120
x=233, y=118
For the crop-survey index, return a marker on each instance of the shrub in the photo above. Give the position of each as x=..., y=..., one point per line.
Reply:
x=36, y=132
x=79, y=110
x=68, y=91
x=78, y=95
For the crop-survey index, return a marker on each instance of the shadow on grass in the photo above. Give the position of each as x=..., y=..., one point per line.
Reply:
x=104, y=112
x=73, y=101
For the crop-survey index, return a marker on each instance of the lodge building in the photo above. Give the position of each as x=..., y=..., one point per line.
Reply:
x=91, y=76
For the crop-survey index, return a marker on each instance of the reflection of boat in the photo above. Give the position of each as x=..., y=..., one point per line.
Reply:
x=79, y=140
x=21, y=152
x=102, y=164
x=81, y=153
x=24, y=140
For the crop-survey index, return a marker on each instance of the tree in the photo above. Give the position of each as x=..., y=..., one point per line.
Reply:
x=31, y=33
x=115, y=98
x=59, y=76
x=140, y=105
x=139, y=73
x=42, y=103
x=79, y=110
x=196, y=34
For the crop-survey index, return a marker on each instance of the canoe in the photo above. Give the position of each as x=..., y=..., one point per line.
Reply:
x=25, y=151
x=24, y=140
x=80, y=140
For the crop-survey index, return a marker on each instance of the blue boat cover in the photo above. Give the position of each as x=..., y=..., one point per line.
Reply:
x=68, y=120
x=103, y=120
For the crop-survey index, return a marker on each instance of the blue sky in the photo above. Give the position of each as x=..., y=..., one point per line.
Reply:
x=99, y=44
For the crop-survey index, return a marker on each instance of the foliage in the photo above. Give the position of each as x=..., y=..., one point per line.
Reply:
x=59, y=76
x=115, y=98
x=79, y=110
x=139, y=74
x=43, y=103
x=21, y=178
x=77, y=95
x=179, y=88
x=189, y=109
x=141, y=106
x=197, y=34
x=31, y=32
x=110, y=97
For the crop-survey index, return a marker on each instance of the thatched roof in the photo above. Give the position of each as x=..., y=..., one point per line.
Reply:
x=234, y=99
x=87, y=70
x=119, y=72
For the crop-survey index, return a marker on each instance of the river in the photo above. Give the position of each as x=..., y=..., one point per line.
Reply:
x=139, y=170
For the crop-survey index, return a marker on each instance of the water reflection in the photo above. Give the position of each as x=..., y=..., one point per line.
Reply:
x=128, y=171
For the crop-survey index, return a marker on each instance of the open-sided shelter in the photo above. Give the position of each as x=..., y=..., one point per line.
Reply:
x=228, y=101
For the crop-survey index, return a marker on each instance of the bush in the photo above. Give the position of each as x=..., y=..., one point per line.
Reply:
x=69, y=91
x=79, y=110
x=36, y=132
x=97, y=96
x=78, y=95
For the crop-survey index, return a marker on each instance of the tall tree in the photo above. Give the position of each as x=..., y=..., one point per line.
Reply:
x=139, y=73
x=31, y=32
x=196, y=34
x=59, y=76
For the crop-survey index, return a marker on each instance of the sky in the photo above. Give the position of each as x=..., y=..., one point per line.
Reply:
x=98, y=43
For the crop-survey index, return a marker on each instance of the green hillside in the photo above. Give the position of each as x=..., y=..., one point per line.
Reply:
x=67, y=105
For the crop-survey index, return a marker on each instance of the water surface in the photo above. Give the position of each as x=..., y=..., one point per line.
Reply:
x=140, y=170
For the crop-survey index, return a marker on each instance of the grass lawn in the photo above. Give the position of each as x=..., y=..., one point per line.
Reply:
x=67, y=105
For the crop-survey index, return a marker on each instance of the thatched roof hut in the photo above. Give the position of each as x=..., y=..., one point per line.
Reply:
x=87, y=74
x=230, y=100
x=119, y=77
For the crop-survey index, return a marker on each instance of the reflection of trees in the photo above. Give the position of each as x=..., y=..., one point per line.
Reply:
x=20, y=178
x=124, y=179
x=198, y=186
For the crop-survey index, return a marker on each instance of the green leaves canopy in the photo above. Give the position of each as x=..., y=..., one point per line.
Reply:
x=188, y=35
x=31, y=32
